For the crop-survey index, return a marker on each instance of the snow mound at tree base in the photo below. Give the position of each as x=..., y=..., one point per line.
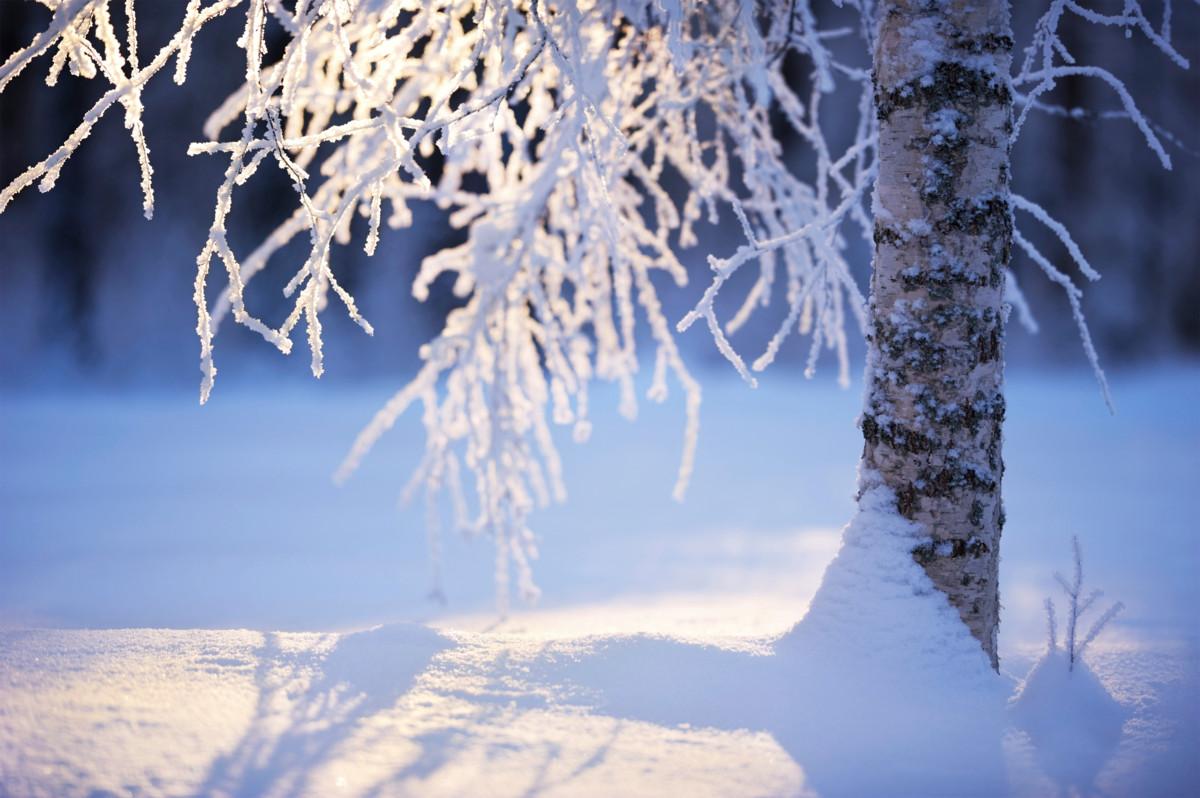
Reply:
x=876, y=608
x=885, y=671
x=879, y=690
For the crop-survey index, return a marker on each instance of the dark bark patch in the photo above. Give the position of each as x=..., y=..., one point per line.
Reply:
x=986, y=43
x=896, y=436
x=906, y=501
x=886, y=235
x=943, y=482
x=940, y=278
x=949, y=85
x=950, y=549
x=989, y=217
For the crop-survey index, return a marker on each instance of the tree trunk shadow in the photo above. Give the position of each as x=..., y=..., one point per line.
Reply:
x=856, y=730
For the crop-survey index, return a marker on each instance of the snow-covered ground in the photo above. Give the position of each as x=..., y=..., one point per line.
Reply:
x=136, y=531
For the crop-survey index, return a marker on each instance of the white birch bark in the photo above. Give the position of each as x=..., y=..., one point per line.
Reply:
x=943, y=231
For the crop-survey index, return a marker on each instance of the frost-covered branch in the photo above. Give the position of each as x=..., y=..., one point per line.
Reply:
x=1074, y=294
x=546, y=130
x=801, y=224
x=73, y=22
x=1048, y=60
x=575, y=115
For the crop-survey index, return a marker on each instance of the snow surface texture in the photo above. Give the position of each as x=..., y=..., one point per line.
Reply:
x=663, y=660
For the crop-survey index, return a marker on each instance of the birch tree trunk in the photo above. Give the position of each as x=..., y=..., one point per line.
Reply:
x=943, y=230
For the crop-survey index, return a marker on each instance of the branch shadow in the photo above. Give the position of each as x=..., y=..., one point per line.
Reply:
x=308, y=705
x=852, y=727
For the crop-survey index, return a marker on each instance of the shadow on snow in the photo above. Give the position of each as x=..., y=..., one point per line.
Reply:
x=851, y=731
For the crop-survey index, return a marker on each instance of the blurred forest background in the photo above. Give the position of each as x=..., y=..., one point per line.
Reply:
x=92, y=293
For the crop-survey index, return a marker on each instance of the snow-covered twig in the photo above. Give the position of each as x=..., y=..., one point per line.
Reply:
x=1048, y=60
x=1077, y=606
